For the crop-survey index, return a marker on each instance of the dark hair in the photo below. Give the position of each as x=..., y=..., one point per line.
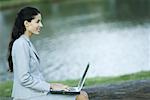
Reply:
x=28, y=14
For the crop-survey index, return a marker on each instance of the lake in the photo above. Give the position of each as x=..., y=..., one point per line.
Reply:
x=112, y=35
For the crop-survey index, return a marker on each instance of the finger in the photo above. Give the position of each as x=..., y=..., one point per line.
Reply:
x=83, y=93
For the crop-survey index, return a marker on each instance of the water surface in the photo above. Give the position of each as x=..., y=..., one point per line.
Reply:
x=112, y=35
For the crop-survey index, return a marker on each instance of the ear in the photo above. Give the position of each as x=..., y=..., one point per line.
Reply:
x=26, y=23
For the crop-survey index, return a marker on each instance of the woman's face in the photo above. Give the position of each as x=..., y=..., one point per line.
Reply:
x=35, y=25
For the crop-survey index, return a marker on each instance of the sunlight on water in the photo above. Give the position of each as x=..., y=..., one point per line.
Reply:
x=110, y=48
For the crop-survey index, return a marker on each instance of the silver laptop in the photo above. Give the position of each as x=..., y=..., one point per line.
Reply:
x=73, y=90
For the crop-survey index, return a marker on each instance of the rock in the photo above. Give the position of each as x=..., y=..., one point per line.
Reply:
x=132, y=90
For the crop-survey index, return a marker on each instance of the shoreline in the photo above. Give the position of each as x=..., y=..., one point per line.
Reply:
x=6, y=86
x=7, y=4
x=11, y=4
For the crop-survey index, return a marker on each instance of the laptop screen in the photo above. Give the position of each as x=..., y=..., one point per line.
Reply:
x=81, y=83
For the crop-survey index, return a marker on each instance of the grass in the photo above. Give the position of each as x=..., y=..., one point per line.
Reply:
x=5, y=87
x=108, y=80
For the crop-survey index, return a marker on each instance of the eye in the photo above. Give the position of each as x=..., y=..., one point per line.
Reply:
x=38, y=21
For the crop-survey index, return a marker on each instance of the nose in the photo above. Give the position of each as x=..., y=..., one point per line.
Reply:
x=41, y=25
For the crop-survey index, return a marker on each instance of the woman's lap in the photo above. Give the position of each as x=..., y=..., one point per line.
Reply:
x=56, y=97
x=52, y=97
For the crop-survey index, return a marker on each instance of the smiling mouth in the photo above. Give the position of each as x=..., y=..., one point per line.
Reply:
x=39, y=29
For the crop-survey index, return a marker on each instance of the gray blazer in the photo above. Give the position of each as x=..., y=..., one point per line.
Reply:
x=28, y=80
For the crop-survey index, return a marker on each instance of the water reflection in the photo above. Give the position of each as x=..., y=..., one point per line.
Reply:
x=110, y=34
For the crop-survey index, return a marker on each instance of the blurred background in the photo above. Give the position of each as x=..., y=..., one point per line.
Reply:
x=112, y=35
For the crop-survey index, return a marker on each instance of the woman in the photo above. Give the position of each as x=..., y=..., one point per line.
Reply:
x=24, y=61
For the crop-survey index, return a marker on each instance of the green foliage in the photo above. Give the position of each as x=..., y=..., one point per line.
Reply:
x=108, y=80
x=5, y=0
x=5, y=89
x=4, y=4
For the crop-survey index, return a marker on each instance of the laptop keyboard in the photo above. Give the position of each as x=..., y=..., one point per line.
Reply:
x=72, y=89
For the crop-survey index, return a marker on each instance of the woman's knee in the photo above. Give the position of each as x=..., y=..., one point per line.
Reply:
x=82, y=96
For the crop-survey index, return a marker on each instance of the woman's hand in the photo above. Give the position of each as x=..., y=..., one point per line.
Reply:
x=58, y=87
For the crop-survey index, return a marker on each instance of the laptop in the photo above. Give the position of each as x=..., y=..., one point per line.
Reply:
x=73, y=90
